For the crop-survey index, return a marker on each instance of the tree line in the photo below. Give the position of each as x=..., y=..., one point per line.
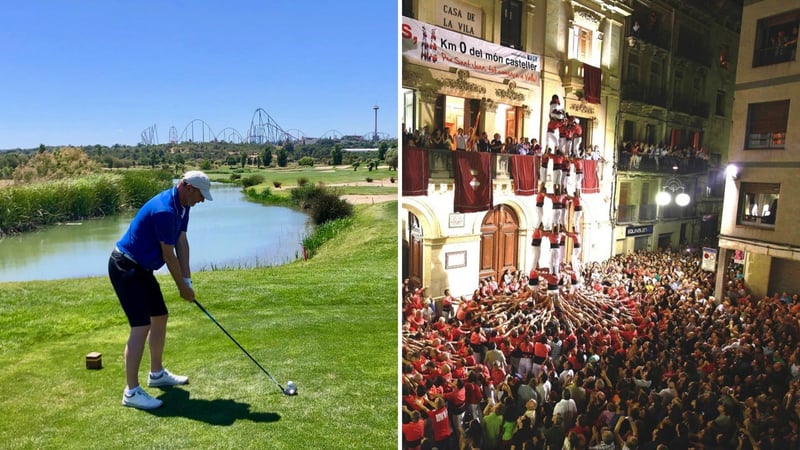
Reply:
x=208, y=155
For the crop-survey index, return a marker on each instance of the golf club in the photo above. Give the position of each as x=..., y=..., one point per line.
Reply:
x=290, y=387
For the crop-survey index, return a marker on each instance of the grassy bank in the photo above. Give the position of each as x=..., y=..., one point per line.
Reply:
x=29, y=206
x=329, y=324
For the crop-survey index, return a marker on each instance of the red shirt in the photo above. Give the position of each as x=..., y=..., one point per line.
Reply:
x=456, y=397
x=414, y=432
x=441, y=424
x=541, y=350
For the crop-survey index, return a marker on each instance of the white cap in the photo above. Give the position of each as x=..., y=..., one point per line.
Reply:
x=199, y=180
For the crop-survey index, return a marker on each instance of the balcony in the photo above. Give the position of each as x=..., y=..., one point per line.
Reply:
x=647, y=213
x=626, y=213
x=661, y=164
x=691, y=106
x=635, y=92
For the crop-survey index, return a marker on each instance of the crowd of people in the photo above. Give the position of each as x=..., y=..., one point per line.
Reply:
x=638, y=354
x=633, y=153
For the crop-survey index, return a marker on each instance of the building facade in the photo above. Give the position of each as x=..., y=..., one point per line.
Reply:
x=760, y=213
x=678, y=74
x=494, y=66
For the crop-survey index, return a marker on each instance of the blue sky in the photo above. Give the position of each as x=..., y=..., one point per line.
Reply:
x=101, y=72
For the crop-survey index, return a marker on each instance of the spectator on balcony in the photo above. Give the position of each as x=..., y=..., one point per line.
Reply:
x=510, y=146
x=635, y=156
x=437, y=139
x=496, y=145
x=524, y=146
x=483, y=142
x=461, y=140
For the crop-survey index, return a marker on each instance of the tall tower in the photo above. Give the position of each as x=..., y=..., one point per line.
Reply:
x=375, y=135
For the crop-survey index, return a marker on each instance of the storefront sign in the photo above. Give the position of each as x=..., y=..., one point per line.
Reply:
x=709, y=262
x=437, y=47
x=638, y=231
x=460, y=17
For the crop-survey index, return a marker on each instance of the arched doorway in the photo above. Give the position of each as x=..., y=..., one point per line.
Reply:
x=499, y=241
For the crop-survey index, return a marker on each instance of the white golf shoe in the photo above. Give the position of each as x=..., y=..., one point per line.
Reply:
x=166, y=379
x=138, y=398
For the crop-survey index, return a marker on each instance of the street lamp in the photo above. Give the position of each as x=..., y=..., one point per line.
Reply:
x=673, y=184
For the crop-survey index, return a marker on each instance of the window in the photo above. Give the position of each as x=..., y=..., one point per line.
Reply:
x=511, y=24
x=766, y=125
x=581, y=43
x=720, y=103
x=758, y=204
x=408, y=8
x=633, y=68
x=776, y=39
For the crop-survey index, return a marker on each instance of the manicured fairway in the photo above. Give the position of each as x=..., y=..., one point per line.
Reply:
x=328, y=324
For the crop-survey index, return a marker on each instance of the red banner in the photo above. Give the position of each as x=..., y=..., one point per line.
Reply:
x=591, y=83
x=473, y=181
x=523, y=170
x=416, y=171
x=591, y=182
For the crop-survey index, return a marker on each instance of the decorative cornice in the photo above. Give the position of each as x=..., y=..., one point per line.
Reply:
x=587, y=14
x=510, y=93
x=462, y=83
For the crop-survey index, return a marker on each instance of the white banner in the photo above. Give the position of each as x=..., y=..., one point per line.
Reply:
x=738, y=256
x=709, y=259
x=429, y=45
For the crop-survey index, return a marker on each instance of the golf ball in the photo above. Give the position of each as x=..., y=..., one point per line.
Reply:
x=290, y=384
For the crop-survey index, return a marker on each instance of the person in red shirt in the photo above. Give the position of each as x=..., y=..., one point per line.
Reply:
x=577, y=136
x=556, y=117
x=577, y=162
x=456, y=399
x=474, y=396
x=440, y=419
x=447, y=305
x=413, y=432
x=577, y=209
x=576, y=253
x=559, y=164
x=476, y=341
x=536, y=243
x=541, y=353
x=559, y=209
x=526, y=360
x=543, y=168
x=555, y=251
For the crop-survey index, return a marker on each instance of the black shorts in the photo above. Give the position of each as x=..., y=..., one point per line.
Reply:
x=137, y=289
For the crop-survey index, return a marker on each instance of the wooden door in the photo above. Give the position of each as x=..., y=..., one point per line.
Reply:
x=414, y=251
x=499, y=242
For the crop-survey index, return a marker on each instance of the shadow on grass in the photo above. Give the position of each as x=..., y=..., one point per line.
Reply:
x=213, y=412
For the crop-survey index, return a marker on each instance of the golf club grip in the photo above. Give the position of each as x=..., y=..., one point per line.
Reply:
x=236, y=342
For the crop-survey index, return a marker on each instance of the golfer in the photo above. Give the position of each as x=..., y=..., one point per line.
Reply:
x=157, y=236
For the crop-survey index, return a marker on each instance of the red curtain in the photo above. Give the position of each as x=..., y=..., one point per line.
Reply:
x=415, y=171
x=591, y=183
x=473, y=181
x=523, y=170
x=591, y=83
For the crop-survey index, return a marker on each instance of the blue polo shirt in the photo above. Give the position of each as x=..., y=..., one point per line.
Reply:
x=161, y=219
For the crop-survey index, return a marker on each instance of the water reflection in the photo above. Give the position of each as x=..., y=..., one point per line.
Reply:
x=227, y=232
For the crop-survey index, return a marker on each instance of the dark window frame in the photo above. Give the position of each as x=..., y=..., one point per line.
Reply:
x=767, y=124
x=753, y=198
x=511, y=24
x=767, y=49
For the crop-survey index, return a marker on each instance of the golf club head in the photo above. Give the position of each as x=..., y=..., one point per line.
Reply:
x=291, y=389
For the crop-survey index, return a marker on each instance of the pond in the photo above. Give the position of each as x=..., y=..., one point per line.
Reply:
x=229, y=232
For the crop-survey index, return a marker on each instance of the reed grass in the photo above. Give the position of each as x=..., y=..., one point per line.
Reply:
x=26, y=207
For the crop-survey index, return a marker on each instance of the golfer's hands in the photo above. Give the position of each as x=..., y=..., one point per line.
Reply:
x=187, y=293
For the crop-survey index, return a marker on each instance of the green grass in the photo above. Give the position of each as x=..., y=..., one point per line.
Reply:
x=289, y=176
x=329, y=324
